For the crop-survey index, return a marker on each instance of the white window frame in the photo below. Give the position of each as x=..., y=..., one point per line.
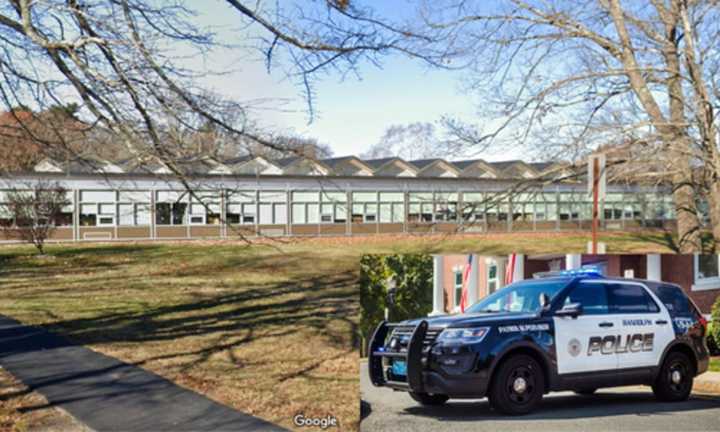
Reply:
x=704, y=284
x=101, y=216
x=489, y=264
x=457, y=298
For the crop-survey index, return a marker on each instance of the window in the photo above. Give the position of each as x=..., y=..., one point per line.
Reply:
x=171, y=208
x=205, y=208
x=241, y=207
x=334, y=207
x=473, y=207
x=458, y=287
x=305, y=207
x=625, y=298
x=707, y=272
x=364, y=207
x=675, y=301
x=492, y=277
x=392, y=207
x=446, y=205
x=98, y=208
x=134, y=208
x=592, y=297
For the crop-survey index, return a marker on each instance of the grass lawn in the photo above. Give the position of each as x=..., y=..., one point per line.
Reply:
x=715, y=364
x=269, y=329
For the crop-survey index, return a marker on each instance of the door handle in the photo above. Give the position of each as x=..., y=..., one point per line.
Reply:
x=605, y=324
x=661, y=322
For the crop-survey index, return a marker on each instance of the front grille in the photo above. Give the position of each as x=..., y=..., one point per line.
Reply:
x=404, y=333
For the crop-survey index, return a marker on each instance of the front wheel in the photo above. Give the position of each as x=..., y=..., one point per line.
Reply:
x=675, y=380
x=429, y=399
x=518, y=386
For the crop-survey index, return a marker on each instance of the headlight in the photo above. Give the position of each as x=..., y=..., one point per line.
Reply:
x=467, y=335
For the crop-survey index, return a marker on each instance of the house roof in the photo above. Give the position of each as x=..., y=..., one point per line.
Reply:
x=291, y=165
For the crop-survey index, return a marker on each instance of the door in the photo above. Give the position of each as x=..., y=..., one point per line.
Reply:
x=644, y=330
x=582, y=343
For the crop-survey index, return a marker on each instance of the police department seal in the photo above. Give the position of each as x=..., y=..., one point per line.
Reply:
x=574, y=347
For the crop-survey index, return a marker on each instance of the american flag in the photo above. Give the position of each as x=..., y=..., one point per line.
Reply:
x=466, y=278
x=510, y=269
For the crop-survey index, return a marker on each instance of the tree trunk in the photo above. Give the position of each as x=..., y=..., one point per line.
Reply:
x=688, y=226
x=714, y=205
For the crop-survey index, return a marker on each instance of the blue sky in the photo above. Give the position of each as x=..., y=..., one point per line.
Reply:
x=352, y=113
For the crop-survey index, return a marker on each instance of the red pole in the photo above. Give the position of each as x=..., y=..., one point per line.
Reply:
x=595, y=221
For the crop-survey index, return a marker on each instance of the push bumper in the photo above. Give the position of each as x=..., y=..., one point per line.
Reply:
x=420, y=378
x=412, y=357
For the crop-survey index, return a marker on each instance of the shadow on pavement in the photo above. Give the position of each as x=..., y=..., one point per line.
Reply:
x=569, y=407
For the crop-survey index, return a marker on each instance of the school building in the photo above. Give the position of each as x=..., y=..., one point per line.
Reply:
x=254, y=196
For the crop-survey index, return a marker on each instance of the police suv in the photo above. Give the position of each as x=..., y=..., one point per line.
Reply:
x=573, y=330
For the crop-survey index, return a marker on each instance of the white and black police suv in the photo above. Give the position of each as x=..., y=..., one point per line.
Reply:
x=574, y=330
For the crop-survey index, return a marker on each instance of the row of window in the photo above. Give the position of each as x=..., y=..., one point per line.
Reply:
x=127, y=208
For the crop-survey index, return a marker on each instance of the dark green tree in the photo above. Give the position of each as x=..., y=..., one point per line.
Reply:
x=412, y=274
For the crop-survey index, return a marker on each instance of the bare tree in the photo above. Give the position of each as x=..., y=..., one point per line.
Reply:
x=419, y=140
x=36, y=211
x=562, y=78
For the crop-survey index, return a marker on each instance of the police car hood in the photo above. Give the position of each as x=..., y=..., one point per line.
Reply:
x=469, y=319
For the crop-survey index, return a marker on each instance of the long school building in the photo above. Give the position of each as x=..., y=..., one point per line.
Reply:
x=335, y=197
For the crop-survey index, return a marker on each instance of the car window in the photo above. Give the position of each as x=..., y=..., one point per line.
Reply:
x=522, y=296
x=592, y=297
x=626, y=298
x=674, y=300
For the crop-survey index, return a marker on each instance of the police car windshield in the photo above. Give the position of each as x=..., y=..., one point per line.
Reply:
x=519, y=297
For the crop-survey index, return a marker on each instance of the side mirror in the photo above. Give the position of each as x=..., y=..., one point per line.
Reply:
x=544, y=300
x=570, y=310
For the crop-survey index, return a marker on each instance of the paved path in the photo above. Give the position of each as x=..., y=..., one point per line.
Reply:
x=107, y=394
x=618, y=409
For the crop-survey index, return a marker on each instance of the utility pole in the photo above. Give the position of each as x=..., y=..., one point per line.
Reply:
x=596, y=184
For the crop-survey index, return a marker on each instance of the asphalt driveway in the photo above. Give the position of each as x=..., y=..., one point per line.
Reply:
x=623, y=408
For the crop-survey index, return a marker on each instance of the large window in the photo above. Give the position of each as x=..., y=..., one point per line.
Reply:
x=420, y=207
x=364, y=207
x=133, y=208
x=334, y=207
x=272, y=207
x=241, y=207
x=305, y=207
x=707, y=272
x=171, y=208
x=97, y=208
x=392, y=207
x=63, y=218
x=473, y=207
x=446, y=206
x=205, y=208
x=497, y=207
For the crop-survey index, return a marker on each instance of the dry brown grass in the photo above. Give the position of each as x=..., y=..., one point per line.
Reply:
x=23, y=410
x=269, y=328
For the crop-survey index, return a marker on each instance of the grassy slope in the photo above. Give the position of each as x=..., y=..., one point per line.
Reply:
x=267, y=329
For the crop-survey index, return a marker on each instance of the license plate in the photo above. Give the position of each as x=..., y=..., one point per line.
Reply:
x=399, y=367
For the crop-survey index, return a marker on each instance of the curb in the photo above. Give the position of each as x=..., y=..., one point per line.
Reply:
x=708, y=382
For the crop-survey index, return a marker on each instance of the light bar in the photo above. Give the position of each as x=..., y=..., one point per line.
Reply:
x=586, y=270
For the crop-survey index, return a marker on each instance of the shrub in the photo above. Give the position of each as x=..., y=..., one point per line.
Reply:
x=714, y=329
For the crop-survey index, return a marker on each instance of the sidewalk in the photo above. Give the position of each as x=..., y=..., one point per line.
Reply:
x=709, y=382
x=107, y=394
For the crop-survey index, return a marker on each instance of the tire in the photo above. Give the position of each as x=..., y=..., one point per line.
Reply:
x=668, y=390
x=429, y=399
x=510, y=396
x=586, y=392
